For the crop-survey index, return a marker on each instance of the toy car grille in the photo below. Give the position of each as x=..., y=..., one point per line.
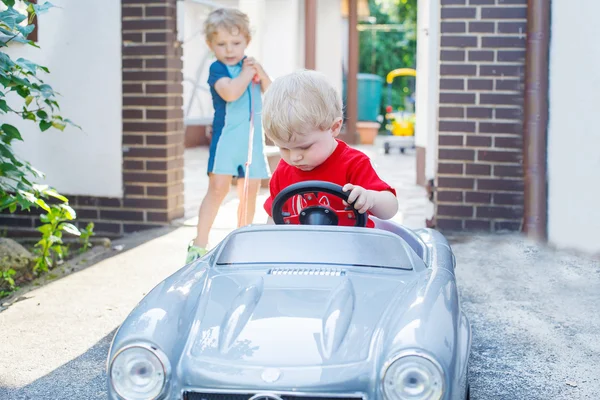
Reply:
x=308, y=271
x=247, y=396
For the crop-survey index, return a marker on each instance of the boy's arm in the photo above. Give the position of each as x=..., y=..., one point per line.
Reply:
x=231, y=89
x=385, y=204
x=379, y=197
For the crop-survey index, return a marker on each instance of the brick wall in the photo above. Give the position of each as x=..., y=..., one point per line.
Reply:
x=479, y=184
x=153, y=134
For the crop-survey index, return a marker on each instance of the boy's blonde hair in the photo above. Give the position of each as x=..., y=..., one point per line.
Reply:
x=298, y=103
x=231, y=19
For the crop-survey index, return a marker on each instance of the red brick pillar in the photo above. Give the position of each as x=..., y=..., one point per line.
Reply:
x=480, y=178
x=153, y=140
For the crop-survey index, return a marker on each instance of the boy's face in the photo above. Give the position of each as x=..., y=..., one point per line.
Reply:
x=309, y=150
x=228, y=47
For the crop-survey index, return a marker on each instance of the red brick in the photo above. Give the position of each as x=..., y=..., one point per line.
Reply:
x=145, y=50
x=499, y=156
x=451, y=112
x=479, y=141
x=149, y=24
x=454, y=27
x=504, y=13
x=122, y=215
x=479, y=169
x=499, y=212
x=457, y=126
x=147, y=152
x=453, y=2
x=452, y=84
x=509, y=199
x=500, y=70
x=132, y=12
x=501, y=2
x=132, y=64
x=454, y=211
x=456, y=154
x=450, y=196
x=480, y=84
x=508, y=113
x=478, y=55
x=134, y=190
x=133, y=88
x=499, y=42
x=508, y=170
x=133, y=139
x=158, y=217
x=511, y=56
x=508, y=185
x=449, y=224
x=133, y=114
x=512, y=27
x=160, y=37
x=478, y=197
x=157, y=191
x=452, y=55
x=144, y=177
x=500, y=127
x=508, y=142
x=459, y=41
x=458, y=69
x=478, y=225
x=456, y=183
x=133, y=37
x=108, y=228
x=509, y=84
x=507, y=226
x=457, y=98
x=146, y=203
x=131, y=164
x=501, y=99
x=145, y=127
x=479, y=112
x=159, y=11
x=458, y=12
x=450, y=168
x=481, y=2
x=481, y=27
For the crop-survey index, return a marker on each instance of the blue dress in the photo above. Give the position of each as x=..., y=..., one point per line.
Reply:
x=231, y=128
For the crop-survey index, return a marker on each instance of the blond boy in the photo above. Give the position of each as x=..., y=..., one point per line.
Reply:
x=234, y=98
x=302, y=114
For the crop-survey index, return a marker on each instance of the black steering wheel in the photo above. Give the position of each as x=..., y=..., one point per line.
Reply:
x=315, y=213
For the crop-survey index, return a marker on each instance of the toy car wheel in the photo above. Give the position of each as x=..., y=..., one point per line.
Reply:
x=386, y=148
x=402, y=149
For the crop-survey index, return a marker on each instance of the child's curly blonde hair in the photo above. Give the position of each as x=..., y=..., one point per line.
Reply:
x=298, y=103
x=231, y=19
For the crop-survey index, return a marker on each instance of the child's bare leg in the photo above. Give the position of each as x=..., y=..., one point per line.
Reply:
x=218, y=187
x=253, y=187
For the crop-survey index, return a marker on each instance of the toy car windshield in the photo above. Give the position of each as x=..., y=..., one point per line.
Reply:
x=331, y=246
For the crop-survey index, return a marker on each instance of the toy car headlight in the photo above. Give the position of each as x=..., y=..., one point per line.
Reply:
x=139, y=372
x=413, y=376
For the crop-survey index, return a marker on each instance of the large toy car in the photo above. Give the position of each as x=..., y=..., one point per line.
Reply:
x=301, y=312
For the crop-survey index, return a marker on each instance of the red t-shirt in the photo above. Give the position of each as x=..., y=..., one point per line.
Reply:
x=344, y=165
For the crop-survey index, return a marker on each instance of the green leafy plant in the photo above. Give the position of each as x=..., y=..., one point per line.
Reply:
x=393, y=45
x=84, y=238
x=24, y=94
x=7, y=277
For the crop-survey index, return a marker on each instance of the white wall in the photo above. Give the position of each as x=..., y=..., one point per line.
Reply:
x=329, y=41
x=283, y=32
x=81, y=45
x=573, y=133
x=426, y=107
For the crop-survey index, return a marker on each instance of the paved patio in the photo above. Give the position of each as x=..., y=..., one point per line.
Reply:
x=399, y=170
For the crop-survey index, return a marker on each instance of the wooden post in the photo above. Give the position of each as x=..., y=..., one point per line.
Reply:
x=352, y=83
x=310, y=35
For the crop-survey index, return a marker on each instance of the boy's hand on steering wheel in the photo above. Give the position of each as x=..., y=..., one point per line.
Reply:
x=361, y=199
